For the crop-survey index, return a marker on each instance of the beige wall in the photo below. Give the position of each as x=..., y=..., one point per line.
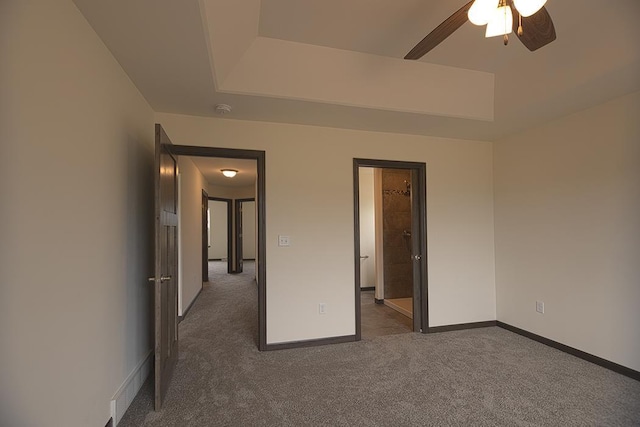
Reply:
x=191, y=185
x=367, y=228
x=75, y=306
x=249, y=230
x=315, y=208
x=567, y=221
x=218, y=233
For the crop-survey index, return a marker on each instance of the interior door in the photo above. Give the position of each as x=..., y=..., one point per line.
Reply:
x=238, y=239
x=166, y=265
x=418, y=251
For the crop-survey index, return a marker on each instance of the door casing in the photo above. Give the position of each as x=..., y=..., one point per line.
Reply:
x=205, y=242
x=259, y=157
x=418, y=228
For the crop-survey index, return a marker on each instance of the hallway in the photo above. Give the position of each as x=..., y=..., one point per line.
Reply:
x=219, y=334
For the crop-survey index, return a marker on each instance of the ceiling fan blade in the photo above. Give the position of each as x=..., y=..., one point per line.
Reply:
x=537, y=29
x=442, y=31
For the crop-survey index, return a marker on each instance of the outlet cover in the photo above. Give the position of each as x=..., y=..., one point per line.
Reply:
x=322, y=308
x=284, y=241
x=540, y=307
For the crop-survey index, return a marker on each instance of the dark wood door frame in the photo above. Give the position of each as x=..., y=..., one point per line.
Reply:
x=239, y=233
x=229, y=229
x=259, y=157
x=419, y=228
x=205, y=235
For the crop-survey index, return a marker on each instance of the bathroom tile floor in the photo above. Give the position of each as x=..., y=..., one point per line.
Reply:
x=401, y=305
x=378, y=319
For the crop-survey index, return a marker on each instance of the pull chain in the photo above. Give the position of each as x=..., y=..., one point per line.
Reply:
x=506, y=36
x=520, y=32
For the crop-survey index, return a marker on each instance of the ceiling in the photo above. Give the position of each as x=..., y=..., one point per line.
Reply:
x=210, y=168
x=339, y=63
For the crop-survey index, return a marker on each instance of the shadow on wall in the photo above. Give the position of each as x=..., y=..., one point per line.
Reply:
x=140, y=244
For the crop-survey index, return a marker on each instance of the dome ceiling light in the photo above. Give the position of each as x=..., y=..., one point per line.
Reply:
x=229, y=173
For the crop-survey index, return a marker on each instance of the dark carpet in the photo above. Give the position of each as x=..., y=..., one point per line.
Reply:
x=479, y=377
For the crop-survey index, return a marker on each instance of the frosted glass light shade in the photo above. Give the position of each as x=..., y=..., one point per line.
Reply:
x=501, y=22
x=528, y=7
x=229, y=173
x=481, y=11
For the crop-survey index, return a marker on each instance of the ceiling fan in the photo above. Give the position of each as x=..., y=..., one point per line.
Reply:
x=534, y=26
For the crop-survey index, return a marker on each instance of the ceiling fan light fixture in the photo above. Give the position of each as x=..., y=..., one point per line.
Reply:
x=229, y=173
x=539, y=30
x=501, y=22
x=481, y=10
x=528, y=7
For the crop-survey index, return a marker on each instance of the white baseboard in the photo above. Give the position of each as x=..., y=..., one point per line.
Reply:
x=130, y=388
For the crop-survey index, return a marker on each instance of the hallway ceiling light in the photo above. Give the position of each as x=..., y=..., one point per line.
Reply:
x=229, y=173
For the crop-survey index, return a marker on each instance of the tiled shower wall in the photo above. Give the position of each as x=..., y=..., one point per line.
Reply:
x=396, y=208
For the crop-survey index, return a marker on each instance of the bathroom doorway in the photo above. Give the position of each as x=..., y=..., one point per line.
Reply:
x=390, y=247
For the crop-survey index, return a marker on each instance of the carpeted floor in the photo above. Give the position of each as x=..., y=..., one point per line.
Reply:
x=479, y=377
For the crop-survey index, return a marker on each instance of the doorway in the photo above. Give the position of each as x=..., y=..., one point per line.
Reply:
x=245, y=232
x=259, y=191
x=390, y=246
x=218, y=231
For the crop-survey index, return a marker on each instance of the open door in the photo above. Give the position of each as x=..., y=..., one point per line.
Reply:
x=419, y=249
x=166, y=265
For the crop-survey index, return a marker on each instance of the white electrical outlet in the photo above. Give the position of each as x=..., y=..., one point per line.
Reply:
x=322, y=308
x=284, y=241
x=540, y=307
